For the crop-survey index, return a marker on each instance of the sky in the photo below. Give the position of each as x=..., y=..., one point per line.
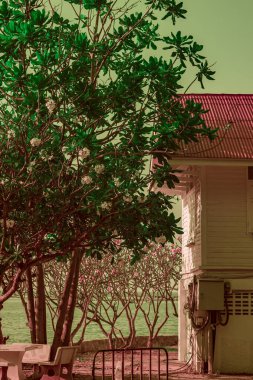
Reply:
x=225, y=28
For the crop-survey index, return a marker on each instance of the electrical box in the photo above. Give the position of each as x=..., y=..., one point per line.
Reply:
x=210, y=294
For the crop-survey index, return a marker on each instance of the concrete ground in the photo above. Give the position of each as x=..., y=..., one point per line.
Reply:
x=177, y=371
x=192, y=376
x=187, y=373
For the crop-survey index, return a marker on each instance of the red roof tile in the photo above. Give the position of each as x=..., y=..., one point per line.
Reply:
x=233, y=116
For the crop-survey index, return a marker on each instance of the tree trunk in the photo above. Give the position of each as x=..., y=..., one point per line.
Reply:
x=30, y=306
x=81, y=324
x=67, y=326
x=1, y=333
x=3, y=339
x=67, y=305
x=150, y=341
x=40, y=307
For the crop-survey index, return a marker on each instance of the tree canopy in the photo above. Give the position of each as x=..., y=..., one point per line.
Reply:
x=85, y=104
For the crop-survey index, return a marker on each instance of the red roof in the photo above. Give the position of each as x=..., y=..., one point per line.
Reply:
x=232, y=114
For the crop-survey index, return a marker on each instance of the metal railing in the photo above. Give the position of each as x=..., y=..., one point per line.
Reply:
x=136, y=363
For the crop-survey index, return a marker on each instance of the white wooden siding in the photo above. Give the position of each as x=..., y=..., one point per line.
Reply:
x=228, y=243
x=191, y=242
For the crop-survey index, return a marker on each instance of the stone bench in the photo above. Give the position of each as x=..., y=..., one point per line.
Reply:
x=4, y=368
x=64, y=358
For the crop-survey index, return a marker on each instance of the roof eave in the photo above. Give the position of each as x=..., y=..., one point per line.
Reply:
x=210, y=161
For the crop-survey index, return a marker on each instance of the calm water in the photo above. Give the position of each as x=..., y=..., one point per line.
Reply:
x=14, y=324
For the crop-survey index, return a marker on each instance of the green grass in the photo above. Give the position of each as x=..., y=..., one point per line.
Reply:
x=14, y=324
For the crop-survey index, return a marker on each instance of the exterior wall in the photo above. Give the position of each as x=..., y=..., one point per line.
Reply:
x=234, y=346
x=234, y=342
x=227, y=253
x=222, y=249
x=228, y=244
x=191, y=257
x=184, y=325
x=191, y=223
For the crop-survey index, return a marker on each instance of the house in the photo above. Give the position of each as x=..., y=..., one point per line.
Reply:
x=216, y=290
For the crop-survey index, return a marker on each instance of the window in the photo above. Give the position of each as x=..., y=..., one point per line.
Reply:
x=250, y=173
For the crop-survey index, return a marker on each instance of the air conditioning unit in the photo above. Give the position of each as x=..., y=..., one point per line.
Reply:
x=210, y=294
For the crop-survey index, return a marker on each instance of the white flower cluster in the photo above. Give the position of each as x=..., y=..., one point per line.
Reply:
x=116, y=182
x=44, y=156
x=160, y=239
x=84, y=153
x=30, y=166
x=128, y=198
x=35, y=141
x=142, y=199
x=106, y=205
x=64, y=150
x=9, y=223
x=99, y=169
x=86, y=180
x=11, y=134
x=50, y=104
x=47, y=192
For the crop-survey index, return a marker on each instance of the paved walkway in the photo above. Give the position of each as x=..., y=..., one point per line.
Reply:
x=191, y=376
x=187, y=374
x=82, y=371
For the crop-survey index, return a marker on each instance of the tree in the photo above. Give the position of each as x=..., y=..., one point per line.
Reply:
x=108, y=292
x=161, y=271
x=82, y=112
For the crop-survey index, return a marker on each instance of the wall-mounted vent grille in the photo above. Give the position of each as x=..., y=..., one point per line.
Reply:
x=240, y=303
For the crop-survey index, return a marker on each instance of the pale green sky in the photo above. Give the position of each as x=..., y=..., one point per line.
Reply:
x=225, y=28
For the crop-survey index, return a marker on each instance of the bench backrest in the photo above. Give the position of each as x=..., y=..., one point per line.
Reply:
x=40, y=354
x=65, y=355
